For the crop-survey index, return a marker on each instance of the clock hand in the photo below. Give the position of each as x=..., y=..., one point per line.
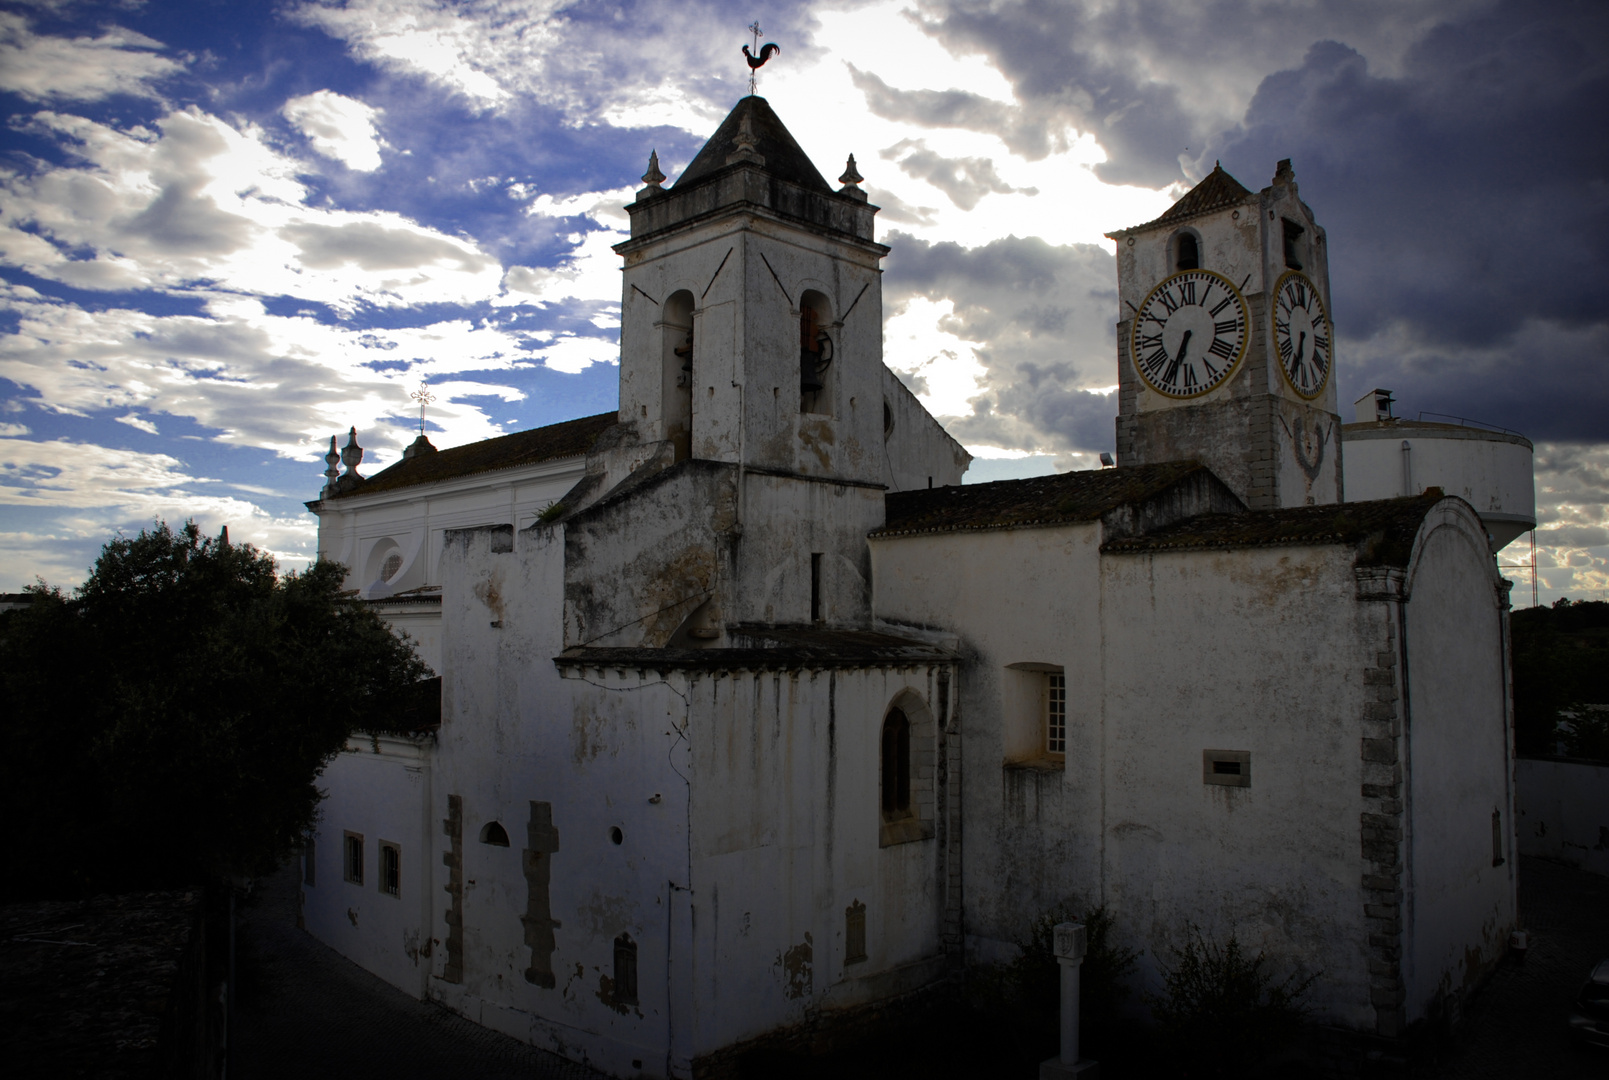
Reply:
x=1173, y=368
x=1301, y=346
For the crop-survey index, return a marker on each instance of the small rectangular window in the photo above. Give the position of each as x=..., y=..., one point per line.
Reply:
x=309, y=862
x=854, y=933
x=390, y=869
x=1229, y=768
x=1497, y=838
x=1055, y=713
x=354, y=858
x=815, y=586
x=625, y=970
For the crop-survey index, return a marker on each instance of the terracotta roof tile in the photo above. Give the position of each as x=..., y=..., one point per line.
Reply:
x=1040, y=500
x=1217, y=191
x=1382, y=529
x=571, y=438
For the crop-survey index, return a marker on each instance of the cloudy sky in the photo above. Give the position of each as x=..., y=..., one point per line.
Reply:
x=229, y=229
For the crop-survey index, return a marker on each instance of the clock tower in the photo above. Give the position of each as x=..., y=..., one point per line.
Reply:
x=1225, y=349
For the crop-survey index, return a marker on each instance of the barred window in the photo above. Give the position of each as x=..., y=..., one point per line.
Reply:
x=354, y=858
x=1055, y=713
x=390, y=869
x=625, y=970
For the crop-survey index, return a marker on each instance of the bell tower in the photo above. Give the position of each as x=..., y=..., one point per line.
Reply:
x=751, y=317
x=1225, y=348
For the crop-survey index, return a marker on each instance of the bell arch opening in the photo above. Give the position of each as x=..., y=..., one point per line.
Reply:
x=817, y=349
x=676, y=331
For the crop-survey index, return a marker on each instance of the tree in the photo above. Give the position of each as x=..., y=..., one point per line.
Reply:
x=1561, y=670
x=166, y=722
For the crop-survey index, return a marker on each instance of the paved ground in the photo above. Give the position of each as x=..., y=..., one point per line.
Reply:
x=1516, y=1026
x=304, y=1010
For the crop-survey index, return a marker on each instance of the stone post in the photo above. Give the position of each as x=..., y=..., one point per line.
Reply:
x=1071, y=943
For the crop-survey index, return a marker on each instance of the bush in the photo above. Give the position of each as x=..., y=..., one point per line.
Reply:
x=1033, y=980
x=1216, y=996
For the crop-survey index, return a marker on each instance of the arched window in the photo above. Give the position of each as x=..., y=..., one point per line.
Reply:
x=494, y=834
x=816, y=348
x=896, y=765
x=676, y=329
x=1189, y=253
x=1294, y=245
x=393, y=563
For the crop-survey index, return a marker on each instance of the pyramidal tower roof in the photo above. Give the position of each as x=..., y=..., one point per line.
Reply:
x=1217, y=191
x=779, y=154
x=751, y=165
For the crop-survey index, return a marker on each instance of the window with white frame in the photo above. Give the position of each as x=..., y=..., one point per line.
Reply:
x=1055, y=714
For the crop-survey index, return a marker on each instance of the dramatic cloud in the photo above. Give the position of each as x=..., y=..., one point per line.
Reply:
x=964, y=180
x=1468, y=213
x=338, y=127
x=1031, y=323
x=1152, y=81
x=45, y=68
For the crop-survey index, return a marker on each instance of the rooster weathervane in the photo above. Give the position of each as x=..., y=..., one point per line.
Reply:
x=764, y=51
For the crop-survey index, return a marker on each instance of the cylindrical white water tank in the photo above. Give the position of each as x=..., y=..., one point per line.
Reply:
x=1490, y=470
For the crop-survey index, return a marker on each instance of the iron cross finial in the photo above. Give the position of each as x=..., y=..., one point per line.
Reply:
x=424, y=397
x=764, y=53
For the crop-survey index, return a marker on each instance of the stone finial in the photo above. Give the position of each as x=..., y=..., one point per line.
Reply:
x=851, y=180
x=352, y=454
x=746, y=141
x=1283, y=173
x=653, y=178
x=332, y=462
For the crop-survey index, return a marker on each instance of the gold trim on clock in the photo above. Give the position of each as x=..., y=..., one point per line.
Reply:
x=1299, y=358
x=1190, y=335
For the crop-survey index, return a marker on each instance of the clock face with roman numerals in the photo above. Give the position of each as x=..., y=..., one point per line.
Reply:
x=1189, y=334
x=1301, y=334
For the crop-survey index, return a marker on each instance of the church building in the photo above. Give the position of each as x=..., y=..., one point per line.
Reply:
x=754, y=717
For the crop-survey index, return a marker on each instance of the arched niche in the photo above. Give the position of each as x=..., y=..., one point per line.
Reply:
x=1184, y=250
x=676, y=336
x=818, y=347
x=907, y=756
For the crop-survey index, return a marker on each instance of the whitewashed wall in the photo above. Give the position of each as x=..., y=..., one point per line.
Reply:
x=1459, y=907
x=380, y=787
x=1563, y=811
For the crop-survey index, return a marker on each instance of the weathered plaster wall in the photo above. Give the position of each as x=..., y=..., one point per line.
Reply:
x=1032, y=832
x=1562, y=808
x=916, y=450
x=785, y=829
x=379, y=787
x=1165, y=656
x=1260, y=650
x=1459, y=907
x=591, y=759
x=784, y=521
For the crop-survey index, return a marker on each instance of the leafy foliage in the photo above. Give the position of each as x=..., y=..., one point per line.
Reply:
x=167, y=721
x=1561, y=668
x=1022, y=1000
x=1217, y=996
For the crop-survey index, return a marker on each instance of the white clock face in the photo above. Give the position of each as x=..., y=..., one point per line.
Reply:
x=1189, y=334
x=1301, y=334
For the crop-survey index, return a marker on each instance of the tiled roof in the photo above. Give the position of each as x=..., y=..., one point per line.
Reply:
x=572, y=438
x=783, y=156
x=771, y=649
x=1217, y=191
x=1382, y=529
x=1040, y=500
